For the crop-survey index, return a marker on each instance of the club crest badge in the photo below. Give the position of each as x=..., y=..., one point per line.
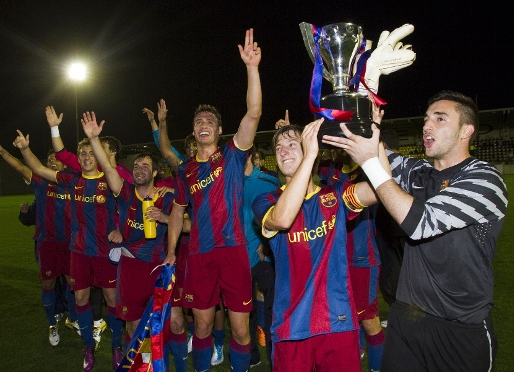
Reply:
x=102, y=186
x=328, y=200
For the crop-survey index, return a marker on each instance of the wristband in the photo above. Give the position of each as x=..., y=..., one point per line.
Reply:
x=376, y=174
x=54, y=131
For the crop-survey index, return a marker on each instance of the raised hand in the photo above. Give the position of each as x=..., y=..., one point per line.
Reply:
x=310, y=138
x=21, y=141
x=91, y=128
x=149, y=113
x=283, y=122
x=389, y=56
x=251, y=52
x=162, y=112
x=376, y=113
x=51, y=117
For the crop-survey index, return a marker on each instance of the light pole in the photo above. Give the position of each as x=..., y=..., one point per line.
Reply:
x=77, y=73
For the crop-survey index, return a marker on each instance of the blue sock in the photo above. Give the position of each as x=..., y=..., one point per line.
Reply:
x=260, y=314
x=178, y=347
x=48, y=298
x=202, y=352
x=116, y=326
x=219, y=336
x=239, y=356
x=191, y=327
x=375, y=349
x=70, y=297
x=85, y=318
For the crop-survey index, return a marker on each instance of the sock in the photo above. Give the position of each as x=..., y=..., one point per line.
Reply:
x=178, y=347
x=260, y=314
x=116, y=326
x=239, y=356
x=48, y=299
x=70, y=297
x=202, y=352
x=375, y=349
x=219, y=336
x=85, y=318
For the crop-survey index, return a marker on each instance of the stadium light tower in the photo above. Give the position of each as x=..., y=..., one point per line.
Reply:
x=77, y=73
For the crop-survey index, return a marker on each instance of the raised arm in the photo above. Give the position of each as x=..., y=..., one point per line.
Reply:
x=92, y=131
x=31, y=160
x=175, y=224
x=164, y=141
x=16, y=164
x=67, y=158
x=251, y=56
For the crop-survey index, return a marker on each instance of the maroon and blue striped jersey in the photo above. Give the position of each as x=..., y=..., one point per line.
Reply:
x=361, y=245
x=93, y=213
x=214, y=190
x=53, y=211
x=130, y=206
x=313, y=293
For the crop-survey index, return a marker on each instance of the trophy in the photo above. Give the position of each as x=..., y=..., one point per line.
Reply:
x=346, y=54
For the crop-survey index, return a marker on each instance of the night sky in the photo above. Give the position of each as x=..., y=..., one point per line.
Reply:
x=186, y=52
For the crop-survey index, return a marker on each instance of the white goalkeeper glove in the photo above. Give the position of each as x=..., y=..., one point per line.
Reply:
x=389, y=56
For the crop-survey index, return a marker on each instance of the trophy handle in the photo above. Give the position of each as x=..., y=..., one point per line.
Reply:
x=308, y=39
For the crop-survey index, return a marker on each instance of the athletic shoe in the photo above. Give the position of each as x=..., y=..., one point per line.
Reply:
x=255, y=364
x=383, y=323
x=261, y=337
x=58, y=317
x=117, y=356
x=53, y=336
x=72, y=325
x=98, y=330
x=89, y=358
x=217, y=355
x=189, y=343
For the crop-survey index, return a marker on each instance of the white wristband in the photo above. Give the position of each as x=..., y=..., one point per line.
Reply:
x=375, y=172
x=54, y=131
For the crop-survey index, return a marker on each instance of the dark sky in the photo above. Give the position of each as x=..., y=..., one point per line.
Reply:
x=186, y=52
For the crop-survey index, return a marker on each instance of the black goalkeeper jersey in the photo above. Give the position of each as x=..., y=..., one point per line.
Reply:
x=453, y=226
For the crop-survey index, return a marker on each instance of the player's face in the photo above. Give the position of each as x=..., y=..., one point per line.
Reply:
x=143, y=173
x=442, y=131
x=257, y=161
x=206, y=129
x=191, y=149
x=53, y=163
x=289, y=153
x=87, y=159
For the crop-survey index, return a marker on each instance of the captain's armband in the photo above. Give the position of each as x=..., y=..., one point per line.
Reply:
x=351, y=200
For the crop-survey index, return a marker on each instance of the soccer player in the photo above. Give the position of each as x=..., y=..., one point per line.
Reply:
x=453, y=212
x=93, y=210
x=315, y=325
x=139, y=255
x=52, y=235
x=211, y=183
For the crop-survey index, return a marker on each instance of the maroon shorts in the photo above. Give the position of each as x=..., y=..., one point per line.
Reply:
x=365, y=290
x=136, y=284
x=223, y=270
x=54, y=259
x=180, y=268
x=328, y=352
x=89, y=271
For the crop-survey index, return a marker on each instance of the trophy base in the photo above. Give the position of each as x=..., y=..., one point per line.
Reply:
x=361, y=118
x=332, y=128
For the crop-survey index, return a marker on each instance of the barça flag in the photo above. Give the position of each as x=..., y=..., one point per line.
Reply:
x=146, y=352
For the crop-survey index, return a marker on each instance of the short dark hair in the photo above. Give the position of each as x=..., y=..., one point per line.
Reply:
x=261, y=154
x=390, y=138
x=189, y=139
x=142, y=155
x=466, y=108
x=114, y=145
x=208, y=108
x=50, y=152
x=285, y=131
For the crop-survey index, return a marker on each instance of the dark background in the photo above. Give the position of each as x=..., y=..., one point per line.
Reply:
x=186, y=52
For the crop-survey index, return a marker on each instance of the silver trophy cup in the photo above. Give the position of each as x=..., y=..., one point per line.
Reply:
x=338, y=44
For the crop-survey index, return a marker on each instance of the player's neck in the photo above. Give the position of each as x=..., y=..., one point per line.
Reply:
x=146, y=190
x=204, y=152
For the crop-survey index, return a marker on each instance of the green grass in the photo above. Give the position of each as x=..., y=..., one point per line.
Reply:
x=24, y=341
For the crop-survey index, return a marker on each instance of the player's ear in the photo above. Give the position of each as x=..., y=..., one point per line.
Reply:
x=220, y=130
x=467, y=131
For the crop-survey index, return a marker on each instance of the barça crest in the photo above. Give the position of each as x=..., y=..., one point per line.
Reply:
x=328, y=200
